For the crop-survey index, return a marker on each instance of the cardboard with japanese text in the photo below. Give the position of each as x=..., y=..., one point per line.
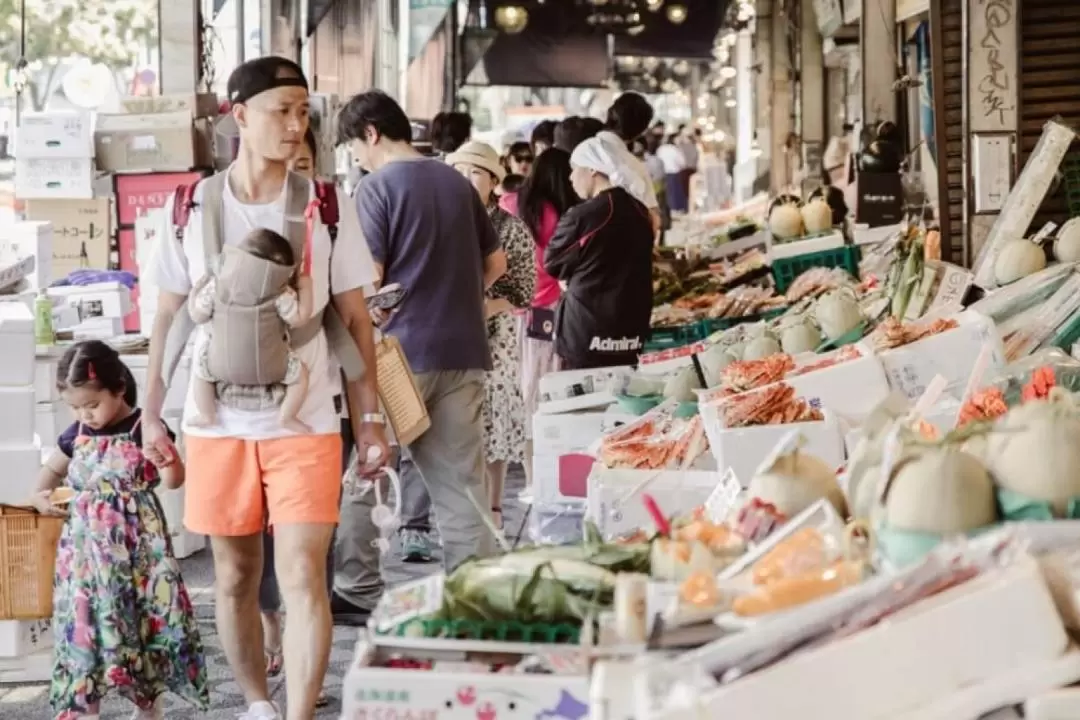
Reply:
x=82, y=232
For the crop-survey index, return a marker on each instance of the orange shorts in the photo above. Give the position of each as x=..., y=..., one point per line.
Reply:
x=234, y=487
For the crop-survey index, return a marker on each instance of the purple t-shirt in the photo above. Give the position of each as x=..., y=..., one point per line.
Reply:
x=426, y=226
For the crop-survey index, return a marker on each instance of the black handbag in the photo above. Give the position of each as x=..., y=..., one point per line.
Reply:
x=540, y=324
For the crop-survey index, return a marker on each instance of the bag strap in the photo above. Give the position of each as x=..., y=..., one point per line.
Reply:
x=213, y=226
x=183, y=202
x=329, y=214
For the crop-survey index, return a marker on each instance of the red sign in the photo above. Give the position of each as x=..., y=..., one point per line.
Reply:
x=126, y=241
x=147, y=192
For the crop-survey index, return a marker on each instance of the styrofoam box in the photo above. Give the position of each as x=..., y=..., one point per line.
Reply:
x=51, y=419
x=100, y=300
x=177, y=393
x=851, y=389
x=21, y=466
x=778, y=250
x=573, y=390
x=560, y=448
x=951, y=354
x=45, y=378
x=62, y=134
x=980, y=630
x=614, y=502
x=744, y=449
x=60, y=178
x=23, y=637
x=17, y=341
x=30, y=239
x=16, y=415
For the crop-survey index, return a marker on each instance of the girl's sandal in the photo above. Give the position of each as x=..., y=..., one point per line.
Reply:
x=497, y=517
x=275, y=660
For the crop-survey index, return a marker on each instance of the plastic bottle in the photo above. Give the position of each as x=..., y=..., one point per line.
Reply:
x=43, y=324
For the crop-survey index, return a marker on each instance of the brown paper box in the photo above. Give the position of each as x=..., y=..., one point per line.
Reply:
x=81, y=232
x=145, y=143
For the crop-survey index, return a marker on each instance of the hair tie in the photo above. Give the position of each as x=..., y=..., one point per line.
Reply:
x=90, y=374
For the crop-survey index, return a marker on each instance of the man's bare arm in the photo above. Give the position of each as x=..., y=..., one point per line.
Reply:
x=168, y=305
x=363, y=395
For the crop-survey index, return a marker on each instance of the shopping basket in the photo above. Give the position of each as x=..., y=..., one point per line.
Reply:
x=27, y=563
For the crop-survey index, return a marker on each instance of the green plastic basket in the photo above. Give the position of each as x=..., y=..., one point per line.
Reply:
x=713, y=325
x=672, y=337
x=785, y=270
x=488, y=630
x=1070, y=168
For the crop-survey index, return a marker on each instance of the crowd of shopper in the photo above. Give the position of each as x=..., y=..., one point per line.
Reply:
x=511, y=266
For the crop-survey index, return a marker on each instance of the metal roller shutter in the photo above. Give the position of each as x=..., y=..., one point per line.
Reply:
x=1049, y=81
x=947, y=34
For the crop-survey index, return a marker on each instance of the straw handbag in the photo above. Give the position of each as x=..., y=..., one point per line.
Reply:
x=401, y=399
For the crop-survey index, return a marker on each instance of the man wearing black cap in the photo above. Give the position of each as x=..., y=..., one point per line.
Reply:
x=248, y=471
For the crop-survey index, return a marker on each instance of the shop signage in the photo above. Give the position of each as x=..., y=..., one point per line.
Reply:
x=994, y=65
x=830, y=16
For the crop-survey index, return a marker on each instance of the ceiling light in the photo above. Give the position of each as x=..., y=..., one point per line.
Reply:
x=635, y=29
x=730, y=102
x=731, y=38
x=744, y=13
x=650, y=64
x=727, y=72
x=676, y=14
x=511, y=19
x=654, y=5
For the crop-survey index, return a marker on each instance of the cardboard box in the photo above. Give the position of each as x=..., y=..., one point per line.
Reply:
x=67, y=178
x=54, y=135
x=197, y=105
x=141, y=143
x=81, y=232
x=140, y=192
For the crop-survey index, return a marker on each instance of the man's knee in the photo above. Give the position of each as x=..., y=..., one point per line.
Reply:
x=303, y=574
x=237, y=575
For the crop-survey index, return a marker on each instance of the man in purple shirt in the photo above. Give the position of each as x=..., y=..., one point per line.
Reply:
x=429, y=233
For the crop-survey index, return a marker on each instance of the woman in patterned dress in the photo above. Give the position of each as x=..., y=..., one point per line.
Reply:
x=504, y=408
x=122, y=618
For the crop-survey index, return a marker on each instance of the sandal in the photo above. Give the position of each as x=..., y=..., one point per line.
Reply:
x=323, y=700
x=275, y=660
x=497, y=517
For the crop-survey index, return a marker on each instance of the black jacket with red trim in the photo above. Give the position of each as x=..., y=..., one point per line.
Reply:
x=602, y=251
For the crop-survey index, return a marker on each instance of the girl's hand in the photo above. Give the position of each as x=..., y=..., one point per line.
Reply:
x=42, y=503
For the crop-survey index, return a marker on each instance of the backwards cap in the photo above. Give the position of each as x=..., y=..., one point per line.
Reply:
x=261, y=74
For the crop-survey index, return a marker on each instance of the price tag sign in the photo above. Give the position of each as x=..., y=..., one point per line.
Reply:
x=1044, y=232
x=721, y=501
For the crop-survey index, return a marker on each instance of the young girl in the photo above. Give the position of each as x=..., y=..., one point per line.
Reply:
x=122, y=618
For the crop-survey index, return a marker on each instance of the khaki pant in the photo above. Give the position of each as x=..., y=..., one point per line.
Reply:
x=450, y=459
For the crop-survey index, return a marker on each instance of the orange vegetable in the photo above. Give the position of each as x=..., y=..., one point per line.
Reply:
x=798, y=590
x=777, y=562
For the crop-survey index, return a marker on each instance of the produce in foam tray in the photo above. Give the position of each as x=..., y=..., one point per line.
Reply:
x=760, y=347
x=892, y=333
x=744, y=375
x=837, y=313
x=941, y=490
x=799, y=337
x=785, y=220
x=1017, y=259
x=771, y=405
x=817, y=216
x=817, y=281
x=656, y=441
x=795, y=481
x=1067, y=244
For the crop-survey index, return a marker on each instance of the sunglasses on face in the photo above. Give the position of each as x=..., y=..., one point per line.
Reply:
x=523, y=158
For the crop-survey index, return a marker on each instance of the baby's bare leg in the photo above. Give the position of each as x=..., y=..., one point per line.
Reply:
x=295, y=393
x=205, y=402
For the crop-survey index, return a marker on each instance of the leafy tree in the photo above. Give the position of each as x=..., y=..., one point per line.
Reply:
x=110, y=32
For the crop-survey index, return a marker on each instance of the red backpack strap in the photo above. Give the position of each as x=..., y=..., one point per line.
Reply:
x=183, y=202
x=326, y=194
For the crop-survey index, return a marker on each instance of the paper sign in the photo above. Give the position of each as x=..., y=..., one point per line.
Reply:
x=81, y=233
x=1044, y=232
x=408, y=601
x=721, y=502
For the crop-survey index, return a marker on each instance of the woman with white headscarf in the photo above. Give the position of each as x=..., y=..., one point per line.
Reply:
x=601, y=253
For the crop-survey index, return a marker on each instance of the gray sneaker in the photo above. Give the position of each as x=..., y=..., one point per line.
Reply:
x=416, y=546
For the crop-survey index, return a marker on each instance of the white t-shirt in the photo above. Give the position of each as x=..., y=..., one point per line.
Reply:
x=671, y=158
x=176, y=268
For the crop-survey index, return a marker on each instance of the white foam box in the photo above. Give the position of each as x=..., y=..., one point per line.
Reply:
x=58, y=134
x=24, y=637
x=16, y=415
x=100, y=300
x=30, y=239
x=573, y=390
x=45, y=377
x=21, y=466
x=850, y=389
x=779, y=250
x=54, y=178
x=17, y=341
x=985, y=628
x=51, y=419
x=101, y=328
x=614, y=496
x=744, y=449
x=561, y=450
x=951, y=354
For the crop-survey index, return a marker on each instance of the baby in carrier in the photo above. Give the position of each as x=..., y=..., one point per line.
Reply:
x=245, y=310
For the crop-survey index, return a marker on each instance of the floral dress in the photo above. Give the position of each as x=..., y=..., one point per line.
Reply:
x=122, y=618
x=504, y=408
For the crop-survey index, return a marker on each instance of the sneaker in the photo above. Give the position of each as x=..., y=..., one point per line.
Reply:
x=347, y=614
x=416, y=546
x=261, y=711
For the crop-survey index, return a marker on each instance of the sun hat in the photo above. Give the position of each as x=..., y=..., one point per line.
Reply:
x=479, y=155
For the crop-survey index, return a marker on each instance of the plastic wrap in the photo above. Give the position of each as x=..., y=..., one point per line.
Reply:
x=557, y=524
x=1008, y=302
x=1041, y=322
x=1011, y=379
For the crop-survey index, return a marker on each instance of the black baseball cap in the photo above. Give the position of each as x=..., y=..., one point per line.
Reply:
x=261, y=74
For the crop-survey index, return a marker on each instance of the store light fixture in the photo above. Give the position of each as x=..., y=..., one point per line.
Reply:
x=744, y=12
x=676, y=14
x=511, y=19
x=654, y=5
x=730, y=102
x=728, y=72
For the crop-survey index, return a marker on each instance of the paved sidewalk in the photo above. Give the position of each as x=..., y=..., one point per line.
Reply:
x=30, y=702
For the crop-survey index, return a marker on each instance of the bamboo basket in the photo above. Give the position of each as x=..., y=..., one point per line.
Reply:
x=401, y=399
x=27, y=563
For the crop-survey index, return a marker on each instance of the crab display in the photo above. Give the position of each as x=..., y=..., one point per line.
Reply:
x=893, y=333
x=985, y=404
x=743, y=375
x=655, y=444
x=772, y=405
x=848, y=352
